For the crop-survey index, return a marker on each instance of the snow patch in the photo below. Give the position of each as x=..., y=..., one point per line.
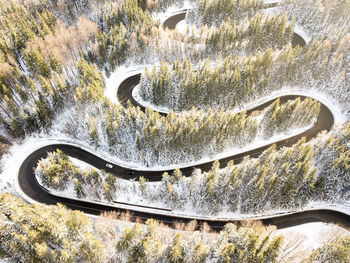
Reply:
x=80, y=164
x=272, y=1
x=313, y=234
x=182, y=27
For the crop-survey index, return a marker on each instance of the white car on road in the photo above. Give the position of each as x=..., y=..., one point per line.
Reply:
x=108, y=165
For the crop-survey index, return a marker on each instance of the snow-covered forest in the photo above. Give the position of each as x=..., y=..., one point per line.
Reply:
x=154, y=140
x=57, y=234
x=57, y=59
x=287, y=179
x=231, y=83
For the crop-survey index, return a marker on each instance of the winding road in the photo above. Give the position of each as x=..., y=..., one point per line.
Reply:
x=172, y=21
x=30, y=186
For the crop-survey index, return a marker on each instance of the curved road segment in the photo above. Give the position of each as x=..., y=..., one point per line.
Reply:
x=172, y=21
x=30, y=186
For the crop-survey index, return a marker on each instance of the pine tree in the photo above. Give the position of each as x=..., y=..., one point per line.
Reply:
x=175, y=253
x=143, y=185
x=107, y=191
x=93, y=131
x=78, y=188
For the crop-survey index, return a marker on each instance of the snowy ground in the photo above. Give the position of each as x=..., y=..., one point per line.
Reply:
x=182, y=27
x=271, y=1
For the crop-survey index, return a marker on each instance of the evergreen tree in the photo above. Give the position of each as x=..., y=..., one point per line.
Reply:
x=54, y=234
